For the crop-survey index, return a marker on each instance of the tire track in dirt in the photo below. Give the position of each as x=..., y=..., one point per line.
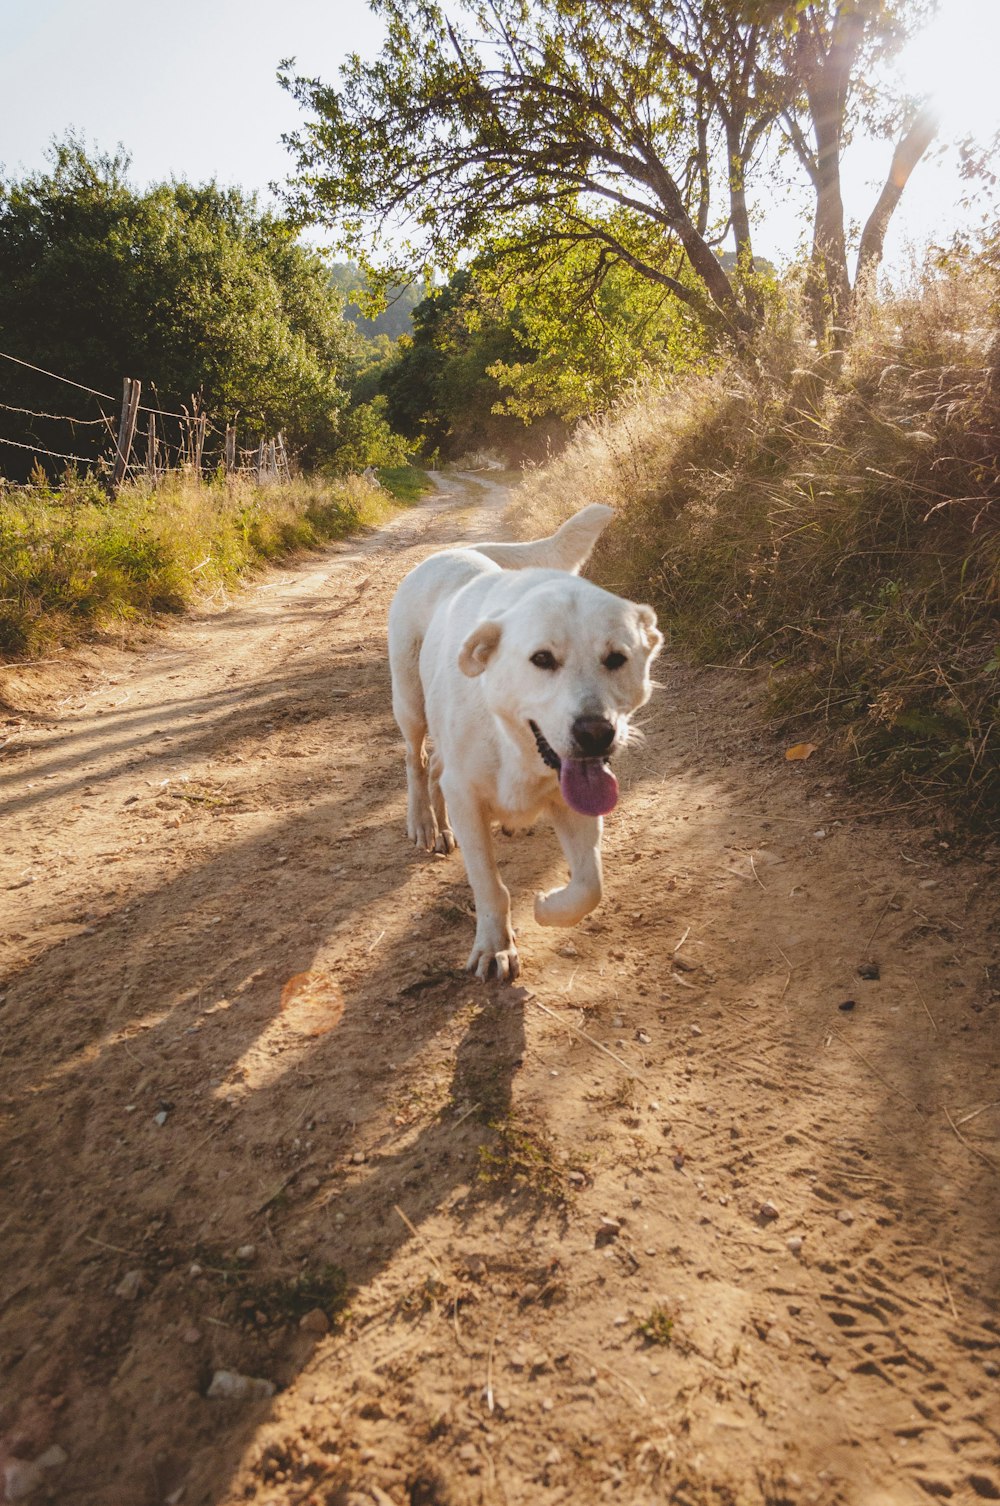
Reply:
x=804, y=1194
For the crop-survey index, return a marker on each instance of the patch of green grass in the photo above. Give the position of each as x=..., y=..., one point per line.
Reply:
x=407, y=483
x=525, y=1158
x=657, y=1327
x=74, y=564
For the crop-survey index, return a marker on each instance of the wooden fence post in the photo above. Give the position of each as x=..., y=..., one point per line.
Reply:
x=200, y=430
x=284, y=469
x=230, y=453
x=151, y=447
x=261, y=452
x=131, y=389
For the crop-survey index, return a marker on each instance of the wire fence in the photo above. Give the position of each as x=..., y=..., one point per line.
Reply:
x=141, y=441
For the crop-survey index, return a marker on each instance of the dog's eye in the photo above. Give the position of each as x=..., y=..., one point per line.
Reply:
x=544, y=660
x=615, y=660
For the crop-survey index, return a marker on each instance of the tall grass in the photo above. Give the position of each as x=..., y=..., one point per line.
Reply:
x=73, y=563
x=846, y=535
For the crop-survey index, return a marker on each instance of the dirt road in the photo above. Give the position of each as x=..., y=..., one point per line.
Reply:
x=698, y=1215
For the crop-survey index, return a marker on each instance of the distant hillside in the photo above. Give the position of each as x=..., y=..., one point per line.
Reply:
x=395, y=317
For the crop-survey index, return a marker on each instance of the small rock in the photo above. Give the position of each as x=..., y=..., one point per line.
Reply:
x=227, y=1385
x=567, y=950
x=21, y=1479
x=130, y=1285
x=991, y=1367
x=194, y=1269
x=847, y=1005
x=643, y=1038
x=846, y=1216
x=795, y=1243
x=621, y=1320
x=160, y=1118
x=191, y=1336
x=696, y=1030
x=553, y=1456
x=358, y=1157
x=820, y=834
x=768, y=1211
x=315, y=1321
x=869, y=971
x=609, y=1229
x=246, y=1252
x=617, y=1023
x=53, y=1458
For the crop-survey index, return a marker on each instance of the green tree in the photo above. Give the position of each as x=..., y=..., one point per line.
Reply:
x=529, y=121
x=192, y=289
x=584, y=331
x=444, y=392
x=393, y=307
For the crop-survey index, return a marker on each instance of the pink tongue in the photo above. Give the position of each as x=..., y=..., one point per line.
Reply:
x=588, y=786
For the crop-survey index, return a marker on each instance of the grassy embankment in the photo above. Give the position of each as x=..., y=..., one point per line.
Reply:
x=73, y=564
x=845, y=537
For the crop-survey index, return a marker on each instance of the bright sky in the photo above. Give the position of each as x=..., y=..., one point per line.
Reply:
x=189, y=89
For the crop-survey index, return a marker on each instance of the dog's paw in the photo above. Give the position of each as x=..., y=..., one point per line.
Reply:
x=445, y=841
x=502, y=963
x=565, y=907
x=423, y=832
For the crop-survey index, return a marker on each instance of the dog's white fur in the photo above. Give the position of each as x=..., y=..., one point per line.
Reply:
x=463, y=628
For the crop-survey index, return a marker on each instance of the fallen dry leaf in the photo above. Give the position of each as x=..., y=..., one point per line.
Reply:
x=800, y=750
x=312, y=1003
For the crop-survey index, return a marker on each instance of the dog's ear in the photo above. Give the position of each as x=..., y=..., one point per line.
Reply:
x=651, y=635
x=478, y=648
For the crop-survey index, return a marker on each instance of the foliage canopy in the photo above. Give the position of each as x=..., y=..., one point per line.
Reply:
x=192, y=289
x=533, y=120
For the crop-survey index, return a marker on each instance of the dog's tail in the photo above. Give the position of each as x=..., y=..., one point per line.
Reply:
x=566, y=549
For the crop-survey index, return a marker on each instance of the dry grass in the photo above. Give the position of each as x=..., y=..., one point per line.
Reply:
x=846, y=535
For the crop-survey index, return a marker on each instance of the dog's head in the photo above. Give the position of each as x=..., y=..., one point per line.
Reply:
x=567, y=664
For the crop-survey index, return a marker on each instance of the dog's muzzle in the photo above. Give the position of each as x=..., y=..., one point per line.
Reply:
x=587, y=784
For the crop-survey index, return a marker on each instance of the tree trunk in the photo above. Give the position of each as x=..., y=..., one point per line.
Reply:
x=908, y=153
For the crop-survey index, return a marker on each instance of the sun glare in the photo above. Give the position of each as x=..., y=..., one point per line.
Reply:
x=953, y=62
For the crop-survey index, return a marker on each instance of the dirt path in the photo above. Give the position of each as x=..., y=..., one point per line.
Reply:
x=697, y=1215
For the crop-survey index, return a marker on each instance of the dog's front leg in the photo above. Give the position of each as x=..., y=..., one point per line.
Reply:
x=494, y=946
x=580, y=839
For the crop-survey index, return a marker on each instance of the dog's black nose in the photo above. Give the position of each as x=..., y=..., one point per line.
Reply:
x=593, y=735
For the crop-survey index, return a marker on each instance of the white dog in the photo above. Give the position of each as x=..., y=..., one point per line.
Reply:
x=524, y=677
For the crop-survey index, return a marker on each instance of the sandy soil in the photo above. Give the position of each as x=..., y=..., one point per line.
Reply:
x=698, y=1214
